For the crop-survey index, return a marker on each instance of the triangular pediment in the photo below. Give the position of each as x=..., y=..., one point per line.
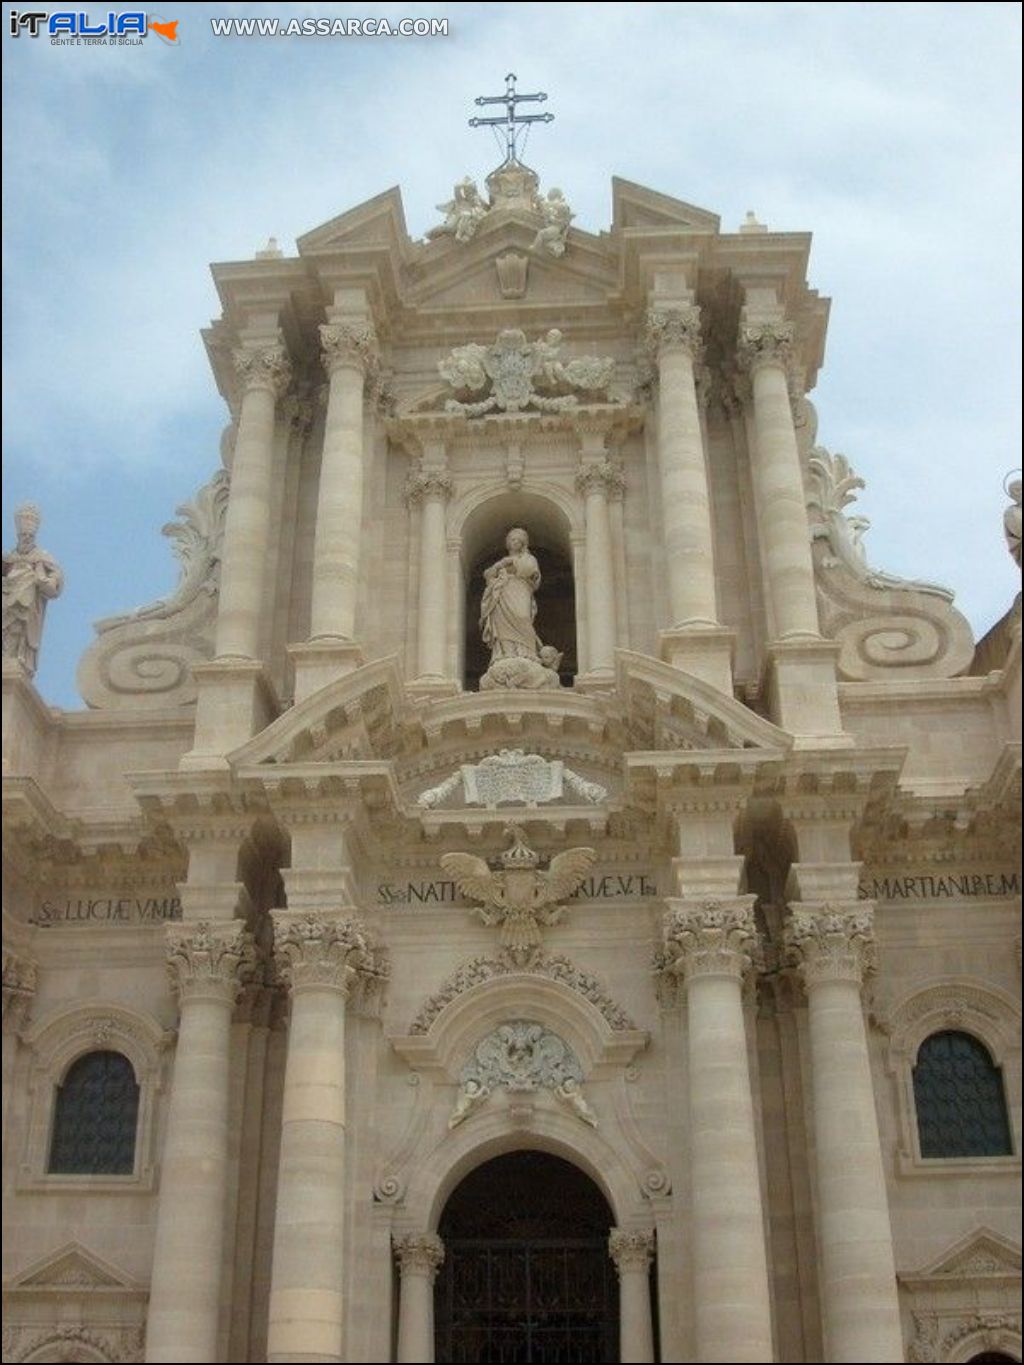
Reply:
x=980, y=1254
x=635, y=206
x=72, y=1266
x=379, y=221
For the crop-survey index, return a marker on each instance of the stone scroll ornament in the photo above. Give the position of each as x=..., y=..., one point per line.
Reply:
x=512, y=777
x=886, y=626
x=513, y=374
x=521, y=1057
x=144, y=658
x=31, y=578
x=521, y=898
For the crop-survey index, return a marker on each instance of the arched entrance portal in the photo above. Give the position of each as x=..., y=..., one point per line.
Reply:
x=526, y=1275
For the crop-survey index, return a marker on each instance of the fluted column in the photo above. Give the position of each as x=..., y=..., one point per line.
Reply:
x=19, y=983
x=765, y=352
x=264, y=375
x=595, y=481
x=674, y=337
x=710, y=945
x=207, y=962
x=319, y=955
x=349, y=352
x=835, y=947
x=632, y=1252
x=430, y=489
x=420, y=1256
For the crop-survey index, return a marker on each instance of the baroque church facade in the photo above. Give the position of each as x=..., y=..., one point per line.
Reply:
x=533, y=891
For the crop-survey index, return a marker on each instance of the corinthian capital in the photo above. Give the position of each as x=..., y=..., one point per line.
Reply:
x=321, y=949
x=711, y=938
x=349, y=342
x=419, y=1253
x=209, y=961
x=603, y=477
x=268, y=369
x=674, y=328
x=765, y=343
x=428, y=483
x=631, y=1250
x=832, y=943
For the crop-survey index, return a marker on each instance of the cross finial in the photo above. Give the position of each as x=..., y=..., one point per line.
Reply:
x=510, y=121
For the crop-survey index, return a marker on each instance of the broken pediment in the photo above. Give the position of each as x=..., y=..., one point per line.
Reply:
x=379, y=221
x=635, y=206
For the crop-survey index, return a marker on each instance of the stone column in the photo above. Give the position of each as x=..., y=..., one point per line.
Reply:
x=430, y=488
x=319, y=955
x=264, y=375
x=835, y=946
x=420, y=1256
x=632, y=1252
x=765, y=352
x=595, y=481
x=349, y=351
x=674, y=337
x=710, y=946
x=206, y=962
x=19, y=983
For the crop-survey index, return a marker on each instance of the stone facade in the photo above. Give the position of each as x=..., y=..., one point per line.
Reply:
x=678, y=901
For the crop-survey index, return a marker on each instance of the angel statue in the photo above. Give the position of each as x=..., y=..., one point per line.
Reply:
x=521, y=898
x=557, y=216
x=462, y=213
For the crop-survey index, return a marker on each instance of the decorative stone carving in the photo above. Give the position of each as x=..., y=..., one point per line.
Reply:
x=631, y=1250
x=604, y=477
x=936, y=1336
x=19, y=982
x=765, y=343
x=554, y=968
x=881, y=622
x=521, y=1056
x=714, y=938
x=31, y=578
x=419, y=1253
x=463, y=212
x=529, y=675
x=209, y=960
x=72, y=1341
x=507, y=612
x=671, y=327
x=143, y=658
x=834, y=487
x=522, y=374
x=832, y=943
x=349, y=342
x=427, y=483
x=1012, y=520
x=512, y=777
x=513, y=271
x=321, y=950
x=557, y=216
x=521, y=898
x=267, y=368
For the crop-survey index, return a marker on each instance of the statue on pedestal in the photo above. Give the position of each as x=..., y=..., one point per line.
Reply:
x=30, y=578
x=1011, y=519
x=507, y=612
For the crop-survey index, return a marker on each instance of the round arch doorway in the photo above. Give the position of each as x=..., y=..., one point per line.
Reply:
x=526, y=1274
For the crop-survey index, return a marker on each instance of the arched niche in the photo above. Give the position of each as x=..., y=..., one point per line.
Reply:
x=481, y=531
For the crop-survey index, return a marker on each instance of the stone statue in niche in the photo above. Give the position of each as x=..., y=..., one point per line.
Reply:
x=31, y=578
x=507, y=613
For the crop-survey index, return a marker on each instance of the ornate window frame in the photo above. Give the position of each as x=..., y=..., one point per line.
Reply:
x=969, y=1006
x=59, y=1040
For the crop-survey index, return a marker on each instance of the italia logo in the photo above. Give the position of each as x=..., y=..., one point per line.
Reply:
x=77, y=24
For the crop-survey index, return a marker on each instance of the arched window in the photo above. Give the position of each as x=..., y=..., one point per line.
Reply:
x=95, y=1117
x=959, y=1099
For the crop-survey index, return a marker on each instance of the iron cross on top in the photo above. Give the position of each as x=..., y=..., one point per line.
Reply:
x=511, y=121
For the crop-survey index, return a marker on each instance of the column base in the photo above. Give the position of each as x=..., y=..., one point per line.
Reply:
x=432, y=689
x=236, y=701
x=803, y=694
x=595, y=680
x=704, y=651
x=319, y=662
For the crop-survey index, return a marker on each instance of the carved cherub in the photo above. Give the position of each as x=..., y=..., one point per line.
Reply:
x=463, y=212
x=557, y=217
x=521, y=898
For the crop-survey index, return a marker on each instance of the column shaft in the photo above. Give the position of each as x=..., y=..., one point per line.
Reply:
x=339, y=512
x=247, y=523
x=781, y=505
x=632, y=1252
x=432, y=614
x=184, y=1297
x=307, y=1291
x=601, y=609
x=685, y=500
x=419, y=1258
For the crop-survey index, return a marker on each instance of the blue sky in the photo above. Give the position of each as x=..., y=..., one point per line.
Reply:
x=892, y=132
